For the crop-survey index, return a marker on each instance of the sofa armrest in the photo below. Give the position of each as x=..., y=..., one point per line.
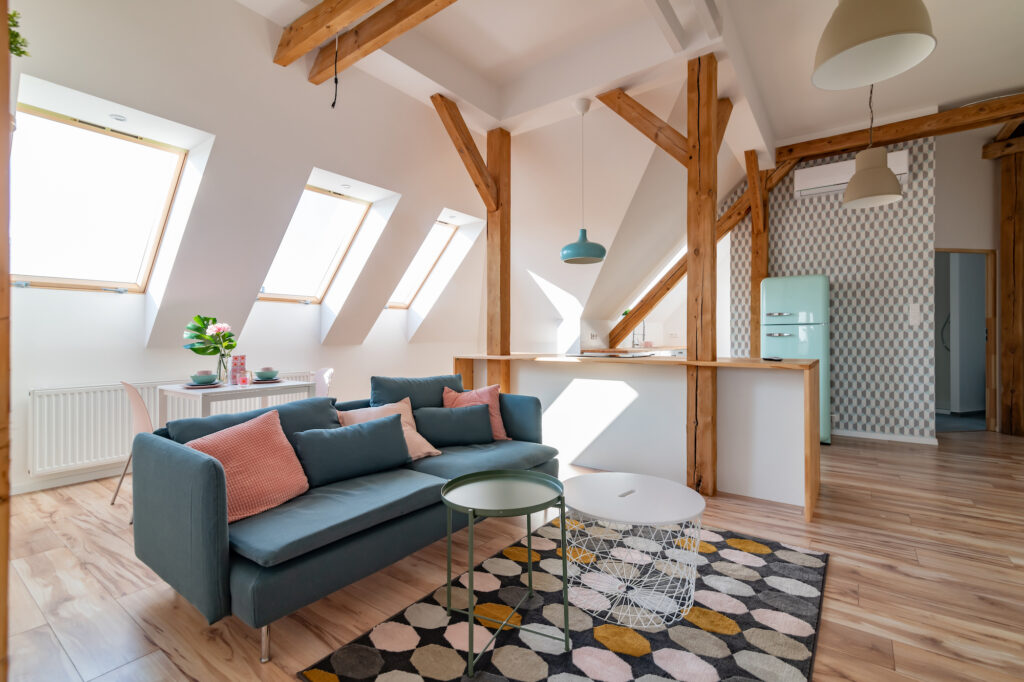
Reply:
x=181, y=521
x=522, y=416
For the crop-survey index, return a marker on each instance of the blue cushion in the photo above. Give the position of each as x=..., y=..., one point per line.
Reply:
x=298, y=415
x=329, y=513
x=445, y=426
x=352, y=405
x=421, y=391
x=329, y=455
x=469, y=459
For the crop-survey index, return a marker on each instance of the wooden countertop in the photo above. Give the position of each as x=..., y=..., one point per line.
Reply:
x=742, y=363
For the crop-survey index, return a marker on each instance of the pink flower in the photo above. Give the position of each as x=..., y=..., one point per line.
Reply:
x=219, y=328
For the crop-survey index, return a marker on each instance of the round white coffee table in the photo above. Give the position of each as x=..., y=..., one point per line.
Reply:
x=633, y=541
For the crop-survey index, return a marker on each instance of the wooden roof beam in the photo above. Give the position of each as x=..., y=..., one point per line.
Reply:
x=373, y=33
x=723, y=226
x=453, y=122
x=979, y=115
x=995, y=150
x=648, y=123
x=317, y=25
x=1008, y=129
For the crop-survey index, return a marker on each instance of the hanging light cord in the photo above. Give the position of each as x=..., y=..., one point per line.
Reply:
x=583, y=214
x=335, y=102
x=871, y=111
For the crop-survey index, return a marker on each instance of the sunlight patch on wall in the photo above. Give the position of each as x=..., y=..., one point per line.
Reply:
x=582, y=412
x=569, y=309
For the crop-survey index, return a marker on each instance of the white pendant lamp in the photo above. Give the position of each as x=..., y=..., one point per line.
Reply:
x=869, y=41
x=873, y=183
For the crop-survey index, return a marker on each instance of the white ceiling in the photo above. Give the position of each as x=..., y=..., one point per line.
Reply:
x=980, y=54
x=521, y=63
x=502, y=40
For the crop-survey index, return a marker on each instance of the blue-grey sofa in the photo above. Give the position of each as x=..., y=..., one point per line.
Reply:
x=268, y=565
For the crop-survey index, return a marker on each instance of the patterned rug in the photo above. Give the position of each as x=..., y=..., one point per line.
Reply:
x=754, y=617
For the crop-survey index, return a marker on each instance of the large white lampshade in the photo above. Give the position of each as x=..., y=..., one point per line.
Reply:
x=868, y=41
x=873, y=183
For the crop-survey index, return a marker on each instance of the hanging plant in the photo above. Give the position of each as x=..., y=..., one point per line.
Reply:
x=18, y=44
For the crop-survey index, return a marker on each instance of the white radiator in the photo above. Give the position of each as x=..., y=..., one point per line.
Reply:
x=91, y=426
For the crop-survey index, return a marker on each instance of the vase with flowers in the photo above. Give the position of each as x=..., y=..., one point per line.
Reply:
x=206, y=336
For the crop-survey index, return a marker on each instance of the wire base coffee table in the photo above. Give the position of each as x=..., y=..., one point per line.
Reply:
x=504, y=493
x=635, y=541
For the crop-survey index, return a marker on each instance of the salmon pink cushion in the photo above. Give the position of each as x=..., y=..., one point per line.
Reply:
x=260, y=466
x=419, y=446
x=488, y=396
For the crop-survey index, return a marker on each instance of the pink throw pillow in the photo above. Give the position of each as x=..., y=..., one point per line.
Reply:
x=260, y=466
x=419, y=446
x=488, y=396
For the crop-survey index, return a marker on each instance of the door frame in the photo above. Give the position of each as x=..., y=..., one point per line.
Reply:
x=991, y=330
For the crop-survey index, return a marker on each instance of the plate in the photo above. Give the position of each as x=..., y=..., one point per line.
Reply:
x=266, y=381
x=213, y=385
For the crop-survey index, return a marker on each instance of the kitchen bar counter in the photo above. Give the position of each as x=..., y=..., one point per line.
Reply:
x=601, y=413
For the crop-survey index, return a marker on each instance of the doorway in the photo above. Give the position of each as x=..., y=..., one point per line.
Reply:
x=964, y=341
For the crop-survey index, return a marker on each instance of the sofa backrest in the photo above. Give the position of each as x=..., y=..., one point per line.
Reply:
x=298, y=415
x=421, y=391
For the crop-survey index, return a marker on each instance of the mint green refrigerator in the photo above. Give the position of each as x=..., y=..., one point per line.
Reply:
x=794, y=324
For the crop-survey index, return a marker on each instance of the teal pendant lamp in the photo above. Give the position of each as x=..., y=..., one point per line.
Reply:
x=582, y=251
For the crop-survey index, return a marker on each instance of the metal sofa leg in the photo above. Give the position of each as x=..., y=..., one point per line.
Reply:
x=265, y=644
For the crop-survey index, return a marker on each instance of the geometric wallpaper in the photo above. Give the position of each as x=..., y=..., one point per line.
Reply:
x=879, y=263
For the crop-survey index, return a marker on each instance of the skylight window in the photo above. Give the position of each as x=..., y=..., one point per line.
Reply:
x=88, y=204
x=318, y=237
x=423, y=263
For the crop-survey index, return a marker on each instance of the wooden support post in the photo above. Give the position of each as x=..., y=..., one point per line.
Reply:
x=5, y=355
x=756, y=188
x=464, y=366
x=493, y=181
x=499, y=259
x=701, y=210
x=1011, y=292
x=812, y=441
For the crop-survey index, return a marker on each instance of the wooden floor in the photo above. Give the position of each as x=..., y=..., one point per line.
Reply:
x=925, y=581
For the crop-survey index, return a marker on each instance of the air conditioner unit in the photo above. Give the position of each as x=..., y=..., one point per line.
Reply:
x=833, y=177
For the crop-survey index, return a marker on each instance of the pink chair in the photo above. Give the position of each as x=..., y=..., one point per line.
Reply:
x=323, y=378
x=141, y=423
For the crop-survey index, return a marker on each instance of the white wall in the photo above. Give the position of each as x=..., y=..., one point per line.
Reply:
x=208, y=64
x=967, y=332
x=966, y=192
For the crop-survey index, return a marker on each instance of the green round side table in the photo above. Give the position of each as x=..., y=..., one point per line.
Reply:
x=504, y=492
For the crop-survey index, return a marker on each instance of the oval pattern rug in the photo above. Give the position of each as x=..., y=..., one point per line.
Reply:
x=755, y=616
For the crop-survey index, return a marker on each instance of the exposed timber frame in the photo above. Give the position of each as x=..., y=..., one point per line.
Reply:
x=492, y=179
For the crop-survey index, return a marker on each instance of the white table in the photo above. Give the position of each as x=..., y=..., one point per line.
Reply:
x=633, y=539
x=207, y=396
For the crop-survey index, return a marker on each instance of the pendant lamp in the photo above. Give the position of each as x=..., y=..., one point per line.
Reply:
x=873, y=183
x=869, y=41
x=582, y=251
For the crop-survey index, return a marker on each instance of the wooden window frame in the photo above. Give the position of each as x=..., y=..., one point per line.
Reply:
x=156, y=237
x=335, y=267
x=405, y=306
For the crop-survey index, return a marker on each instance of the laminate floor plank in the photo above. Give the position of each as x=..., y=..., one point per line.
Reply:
x=90, y=625
x=925, y=578
x=36, y=655
x=23, y=612
x=154, y=667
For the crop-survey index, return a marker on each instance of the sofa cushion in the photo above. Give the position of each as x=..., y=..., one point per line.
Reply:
x=332, y=512
x=488, y=395
x=418, y=445
x=448, y=426
x=468, y=459
x=260, y=468
x=421, y=391
x=298, y=415
x=330, y=455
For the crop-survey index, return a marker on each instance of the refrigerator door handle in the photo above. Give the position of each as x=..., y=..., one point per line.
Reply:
x=778, y=314
x=777, y=334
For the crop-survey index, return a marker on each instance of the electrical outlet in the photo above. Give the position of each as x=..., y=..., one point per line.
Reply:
x=593, y=336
